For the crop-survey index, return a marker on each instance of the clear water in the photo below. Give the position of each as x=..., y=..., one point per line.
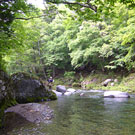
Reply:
x=90, y=114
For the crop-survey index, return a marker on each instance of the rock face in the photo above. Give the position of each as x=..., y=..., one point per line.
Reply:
x=116, y=94
x=28, y=89
x=6, y=98
x=61, y=88
x=3, y=83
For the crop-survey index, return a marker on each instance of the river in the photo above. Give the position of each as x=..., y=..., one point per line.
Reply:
x=90, y=114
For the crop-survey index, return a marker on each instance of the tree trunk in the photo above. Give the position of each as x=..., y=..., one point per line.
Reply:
x=53, y=69
x=41, y=61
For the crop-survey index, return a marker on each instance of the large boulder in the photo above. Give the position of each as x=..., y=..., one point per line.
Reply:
x=29, y=89
x=61, y=88
x=116, y=94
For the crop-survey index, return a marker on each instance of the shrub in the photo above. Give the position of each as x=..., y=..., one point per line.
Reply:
x=69, y=75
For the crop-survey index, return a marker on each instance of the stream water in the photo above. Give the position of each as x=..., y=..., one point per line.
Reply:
x=90, y=114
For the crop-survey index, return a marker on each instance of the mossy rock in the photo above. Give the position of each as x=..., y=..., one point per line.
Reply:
x=29, y=89
x=4, y=104
x=52, y=96
x=5, y=95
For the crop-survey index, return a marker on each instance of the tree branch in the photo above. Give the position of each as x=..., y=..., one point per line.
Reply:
x=86, y=5
x=21, y=18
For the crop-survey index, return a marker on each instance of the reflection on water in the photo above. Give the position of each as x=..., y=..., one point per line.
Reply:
x=88, y=115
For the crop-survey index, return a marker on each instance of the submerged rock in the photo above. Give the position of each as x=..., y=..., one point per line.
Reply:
x=116, y=94
x=33, y=112
x=29, y=89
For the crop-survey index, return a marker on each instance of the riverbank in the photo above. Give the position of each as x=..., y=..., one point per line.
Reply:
x=95, y=81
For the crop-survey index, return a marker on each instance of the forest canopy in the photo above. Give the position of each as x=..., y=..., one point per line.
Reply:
x=67, y=35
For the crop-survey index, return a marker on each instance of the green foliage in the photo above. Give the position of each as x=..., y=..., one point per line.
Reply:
x=69, y=74
x=86, y=48
x=4, y=104
x=42, y=46
x=10, y=38
x=93, y=10
x=9, y=8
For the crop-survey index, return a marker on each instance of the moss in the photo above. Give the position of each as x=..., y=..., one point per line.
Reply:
x=24, y=75
x=75, y=84
x=36, y=99
x=5, y=103
x=53, y=96
x=31, y=99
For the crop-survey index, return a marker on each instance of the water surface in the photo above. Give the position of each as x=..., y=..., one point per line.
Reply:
x=90, y=114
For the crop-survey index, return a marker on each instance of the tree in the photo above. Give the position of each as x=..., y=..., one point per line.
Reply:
x=10, y=10
x=85, y=49
x=92, y=9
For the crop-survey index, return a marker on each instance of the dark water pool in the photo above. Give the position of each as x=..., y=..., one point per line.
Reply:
x=90, y=114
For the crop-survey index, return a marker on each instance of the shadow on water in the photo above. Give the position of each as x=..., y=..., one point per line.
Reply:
x=90, y=114
x=13, y=120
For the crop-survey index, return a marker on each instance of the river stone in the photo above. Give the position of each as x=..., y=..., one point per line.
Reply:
x=67, y=93
x=105, y=83
x=29, y=89
x=71, y=90
x=82, y=94
x=115, y=80
x=57, y=93
x=116, y=94
x=112, y=84
x=61, y=88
